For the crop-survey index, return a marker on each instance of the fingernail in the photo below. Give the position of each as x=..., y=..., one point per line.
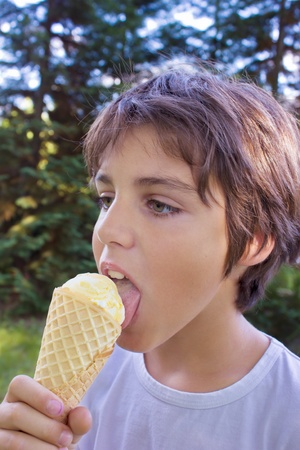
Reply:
x=54, y=407
x=65, y=438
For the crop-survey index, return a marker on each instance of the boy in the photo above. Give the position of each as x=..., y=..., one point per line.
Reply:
x=198, y=179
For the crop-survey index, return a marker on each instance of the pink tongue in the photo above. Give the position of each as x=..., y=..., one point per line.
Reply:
x=130, y=296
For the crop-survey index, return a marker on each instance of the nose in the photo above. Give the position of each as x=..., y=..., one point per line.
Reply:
x=115, y=226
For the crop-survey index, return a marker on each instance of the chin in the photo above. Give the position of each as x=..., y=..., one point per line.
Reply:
x=134, y=342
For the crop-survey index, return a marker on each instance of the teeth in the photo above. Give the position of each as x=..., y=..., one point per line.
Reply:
x=114, y=274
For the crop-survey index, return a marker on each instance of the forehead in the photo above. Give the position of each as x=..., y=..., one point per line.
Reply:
x=141, y=147
x=144, y=139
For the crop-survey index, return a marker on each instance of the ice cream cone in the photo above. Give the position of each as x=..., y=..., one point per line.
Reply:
x=78, y=338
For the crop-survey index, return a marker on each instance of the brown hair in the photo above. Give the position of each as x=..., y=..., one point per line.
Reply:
x=234, y=132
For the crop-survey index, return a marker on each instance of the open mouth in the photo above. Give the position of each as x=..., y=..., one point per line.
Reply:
x=116, y=275
x=129, y=294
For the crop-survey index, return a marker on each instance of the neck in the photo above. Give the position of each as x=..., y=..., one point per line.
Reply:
x=211, y=353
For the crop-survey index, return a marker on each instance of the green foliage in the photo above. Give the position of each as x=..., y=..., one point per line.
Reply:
x=49, y=241
x=47, y=217
x=279, y=313
x=19, y=347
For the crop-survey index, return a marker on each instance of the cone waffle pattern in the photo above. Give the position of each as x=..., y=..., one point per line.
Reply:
x=78, y=339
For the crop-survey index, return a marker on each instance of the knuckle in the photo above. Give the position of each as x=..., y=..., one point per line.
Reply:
x=51, y=432
x=4, y=440
x=7, y=416
x=13, y=414
x=18, y=383
x=10, y=440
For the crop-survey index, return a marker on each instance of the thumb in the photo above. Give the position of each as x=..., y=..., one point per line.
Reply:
x=80, y=422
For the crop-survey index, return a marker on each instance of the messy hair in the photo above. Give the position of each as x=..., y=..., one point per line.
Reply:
x=230, y=131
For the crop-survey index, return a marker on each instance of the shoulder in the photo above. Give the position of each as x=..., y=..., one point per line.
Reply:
x=287, y=363
x=284, y=395
x=284, y=376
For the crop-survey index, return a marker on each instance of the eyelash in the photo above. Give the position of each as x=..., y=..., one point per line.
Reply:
x=101, y=202
x=151, y=204
x=171, y=212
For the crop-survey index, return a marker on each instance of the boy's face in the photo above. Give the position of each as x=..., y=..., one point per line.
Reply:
x=154, y=229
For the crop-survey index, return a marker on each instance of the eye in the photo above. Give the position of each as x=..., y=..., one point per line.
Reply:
x=160, y=208
x=105, y=202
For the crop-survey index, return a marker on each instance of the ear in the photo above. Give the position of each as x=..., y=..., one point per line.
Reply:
x=257, y=250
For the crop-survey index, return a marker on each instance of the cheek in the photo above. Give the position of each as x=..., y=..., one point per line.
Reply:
x=191, y=266
x=96, y=246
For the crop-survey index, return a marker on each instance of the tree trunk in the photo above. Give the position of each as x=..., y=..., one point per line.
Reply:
x=278, y=57
x=44, y=83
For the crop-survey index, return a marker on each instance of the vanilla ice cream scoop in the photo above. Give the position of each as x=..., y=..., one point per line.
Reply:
x=100, y=290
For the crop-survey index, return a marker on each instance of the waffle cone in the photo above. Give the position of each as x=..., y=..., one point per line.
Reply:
x=79, y=337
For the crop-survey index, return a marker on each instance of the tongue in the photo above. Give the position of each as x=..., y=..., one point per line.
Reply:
x=130, y=296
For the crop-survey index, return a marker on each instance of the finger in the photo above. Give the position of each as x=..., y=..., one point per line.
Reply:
x=80, y=422
x=24, y=389
x=20, y=417
x=15, y=440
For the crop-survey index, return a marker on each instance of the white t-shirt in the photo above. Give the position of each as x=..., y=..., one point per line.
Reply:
x=132, y=411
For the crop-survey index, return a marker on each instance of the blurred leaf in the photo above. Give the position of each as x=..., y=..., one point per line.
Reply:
x=279, y=313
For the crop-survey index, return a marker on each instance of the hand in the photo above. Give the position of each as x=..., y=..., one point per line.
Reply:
x=29, y=419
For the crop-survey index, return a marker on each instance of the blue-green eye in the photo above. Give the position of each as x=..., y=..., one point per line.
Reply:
x=160, y=208
x=105, y=202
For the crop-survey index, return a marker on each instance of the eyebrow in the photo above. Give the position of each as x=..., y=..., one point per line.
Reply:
x=171, y=182
x=102, y=178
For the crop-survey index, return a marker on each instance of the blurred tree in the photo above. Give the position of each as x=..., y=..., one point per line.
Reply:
x=261, y=37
